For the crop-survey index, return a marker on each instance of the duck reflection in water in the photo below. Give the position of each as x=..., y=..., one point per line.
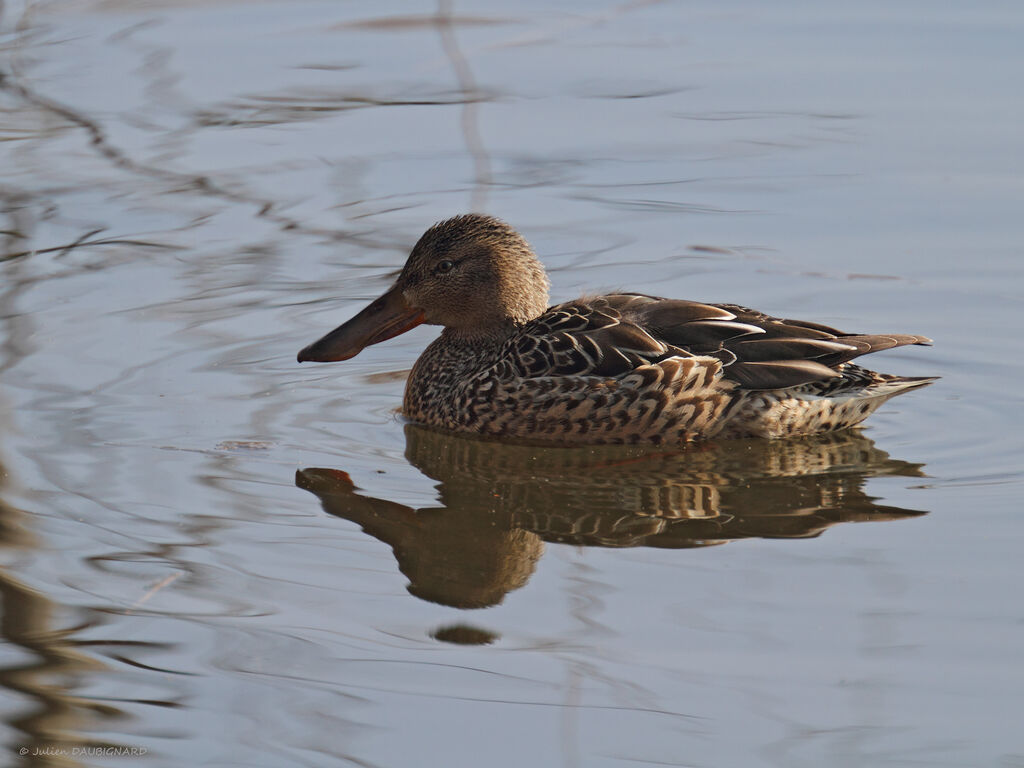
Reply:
x=499, y=503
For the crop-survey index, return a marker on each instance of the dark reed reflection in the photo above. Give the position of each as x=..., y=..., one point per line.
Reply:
x=500, y=503
x=49, y=714
x=48, y=659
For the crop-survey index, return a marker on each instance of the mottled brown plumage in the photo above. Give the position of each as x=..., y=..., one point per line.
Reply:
x=605, y=369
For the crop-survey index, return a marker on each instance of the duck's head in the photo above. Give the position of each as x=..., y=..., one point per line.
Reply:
x=473, y=274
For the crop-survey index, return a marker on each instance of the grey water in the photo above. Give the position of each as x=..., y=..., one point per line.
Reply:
x=210, y=555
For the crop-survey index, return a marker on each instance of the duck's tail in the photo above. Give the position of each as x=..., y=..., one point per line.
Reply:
x=820, y=406
x=887, y=386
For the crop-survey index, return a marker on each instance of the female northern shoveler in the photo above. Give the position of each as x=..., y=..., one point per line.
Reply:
x=604, y=369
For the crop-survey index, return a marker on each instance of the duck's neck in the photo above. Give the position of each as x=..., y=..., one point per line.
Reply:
x=481, y=337
x=436, y=390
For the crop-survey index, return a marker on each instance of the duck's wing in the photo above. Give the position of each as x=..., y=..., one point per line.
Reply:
x=587, y=337
x=613, y=335
x=788, y=353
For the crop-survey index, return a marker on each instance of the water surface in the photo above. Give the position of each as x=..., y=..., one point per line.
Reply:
x=214, y=556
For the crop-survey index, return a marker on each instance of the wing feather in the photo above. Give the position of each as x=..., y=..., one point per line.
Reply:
x=612, y=336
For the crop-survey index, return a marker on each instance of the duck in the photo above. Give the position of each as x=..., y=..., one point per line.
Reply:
x=613, y=368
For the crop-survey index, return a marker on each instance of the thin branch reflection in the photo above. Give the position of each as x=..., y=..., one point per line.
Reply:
x=471, y=95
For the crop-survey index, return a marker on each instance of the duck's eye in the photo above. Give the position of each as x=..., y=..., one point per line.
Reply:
x=444, y=266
